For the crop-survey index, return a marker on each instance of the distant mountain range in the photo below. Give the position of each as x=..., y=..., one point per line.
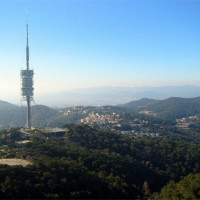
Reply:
x=116, y=95
x=42, y=116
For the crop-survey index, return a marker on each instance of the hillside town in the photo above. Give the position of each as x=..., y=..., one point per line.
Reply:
x=186, y=121
x=107, y=118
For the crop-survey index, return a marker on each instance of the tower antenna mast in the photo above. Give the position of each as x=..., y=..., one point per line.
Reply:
x=27, y=48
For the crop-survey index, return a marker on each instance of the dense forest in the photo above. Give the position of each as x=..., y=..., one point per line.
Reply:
x=90, y=163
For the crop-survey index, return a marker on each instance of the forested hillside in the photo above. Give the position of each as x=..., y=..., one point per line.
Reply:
x=139, y=105
x=89, y=163
x=42, y=116
x=187, y=188
x=171, y=108
x=4, y=104
x=174, y=108
x=12, y=115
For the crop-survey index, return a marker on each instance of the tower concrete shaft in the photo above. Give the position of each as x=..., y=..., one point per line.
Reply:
x=28, y=113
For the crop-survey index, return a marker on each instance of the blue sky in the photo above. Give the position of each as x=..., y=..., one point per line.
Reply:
x=80, y=44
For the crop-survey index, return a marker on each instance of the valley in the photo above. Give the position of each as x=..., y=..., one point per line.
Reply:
x=123, y=149
x=145, y=117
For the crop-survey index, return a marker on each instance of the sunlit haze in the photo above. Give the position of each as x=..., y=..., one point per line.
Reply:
x=84, y=44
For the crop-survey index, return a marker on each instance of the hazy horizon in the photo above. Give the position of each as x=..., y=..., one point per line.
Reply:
x=86, y=44
x=108, y=95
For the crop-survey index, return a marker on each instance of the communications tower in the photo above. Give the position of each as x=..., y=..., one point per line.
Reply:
x=27, y=83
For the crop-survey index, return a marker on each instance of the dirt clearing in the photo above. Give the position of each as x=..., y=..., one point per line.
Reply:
x=14, y=161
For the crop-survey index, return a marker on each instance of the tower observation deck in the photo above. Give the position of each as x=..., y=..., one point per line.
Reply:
x=27, y=84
